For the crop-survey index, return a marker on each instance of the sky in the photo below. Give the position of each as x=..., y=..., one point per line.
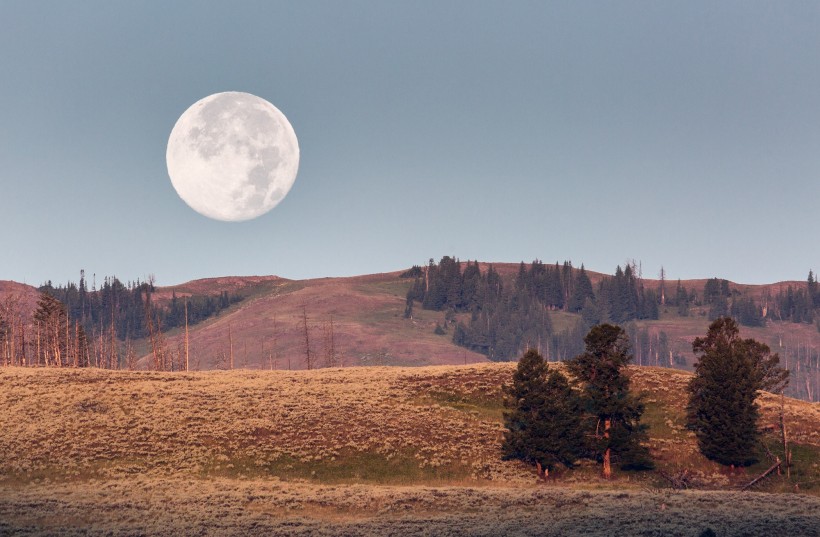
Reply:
x=676, y=134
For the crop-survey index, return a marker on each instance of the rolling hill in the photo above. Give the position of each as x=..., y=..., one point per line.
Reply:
x=359, y=451
x=369, y=328
x=266, y=330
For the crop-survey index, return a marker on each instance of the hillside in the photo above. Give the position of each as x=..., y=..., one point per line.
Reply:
x=265, y=330
x=346, y=450
x=267, y=327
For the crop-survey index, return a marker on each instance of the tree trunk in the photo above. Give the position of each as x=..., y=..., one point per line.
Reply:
x=787, y=455
x=230, y=343
x=187, y=368
x=542, y=472
x=607, y=471
x=307, y=339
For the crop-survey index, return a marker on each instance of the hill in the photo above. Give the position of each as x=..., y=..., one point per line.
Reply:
x=354, y=450
x=266, y=329
x=366, y=317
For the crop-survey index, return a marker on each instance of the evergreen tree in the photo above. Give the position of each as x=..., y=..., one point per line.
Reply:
x=591, y=313
x=722, y=407
x=543, y=418
x=747, y=312
x=719, y=308
x=682, y=300
x=614, y=411
x=582, y=290
x=812, y=288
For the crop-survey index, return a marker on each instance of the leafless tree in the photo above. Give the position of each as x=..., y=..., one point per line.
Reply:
x=187, y=362
x=329, y=343
x=663, y=286
x=149, y=323
x=308, y=362
x=230, y=346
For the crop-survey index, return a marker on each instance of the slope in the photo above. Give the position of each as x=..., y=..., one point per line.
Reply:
x=355, y=451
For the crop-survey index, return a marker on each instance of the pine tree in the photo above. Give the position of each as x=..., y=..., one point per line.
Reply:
x=722, y=407
x=615, y=412
x=581, y=292
x=543, y=421
x=682, y=300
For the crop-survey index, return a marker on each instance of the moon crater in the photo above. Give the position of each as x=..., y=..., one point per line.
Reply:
x=232, y=156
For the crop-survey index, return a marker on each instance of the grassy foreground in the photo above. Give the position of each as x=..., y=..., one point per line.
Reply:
x=357, y=451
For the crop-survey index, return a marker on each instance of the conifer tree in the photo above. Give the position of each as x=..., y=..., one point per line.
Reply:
x=543, y=420
x=614, y=411
x=722, y=408
x=581, y=292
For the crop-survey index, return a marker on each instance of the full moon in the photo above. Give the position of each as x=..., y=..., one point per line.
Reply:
x=232, y=156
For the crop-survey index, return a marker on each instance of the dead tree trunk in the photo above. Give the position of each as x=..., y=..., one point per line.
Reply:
x=115, y=359
x=230, y=344
x=762, y=476
x=307, y=338
x=274, y=357
x=187, y=364
x=787, y=454
x=149, y=321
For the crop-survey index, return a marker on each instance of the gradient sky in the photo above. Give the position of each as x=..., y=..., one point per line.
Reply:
x=682, y=134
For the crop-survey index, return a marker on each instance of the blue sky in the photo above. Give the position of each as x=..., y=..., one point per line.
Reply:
x=681, y=134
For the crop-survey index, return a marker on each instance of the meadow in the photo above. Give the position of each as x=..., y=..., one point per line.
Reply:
x=359, y=451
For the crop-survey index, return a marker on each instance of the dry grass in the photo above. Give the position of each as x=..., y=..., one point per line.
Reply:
x=356, y=451
x=369, y=326
x=156, y=506
x=69, y=424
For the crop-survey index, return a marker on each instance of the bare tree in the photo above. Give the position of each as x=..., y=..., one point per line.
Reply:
x=149, y=322
x=273, y=357
x=230, y=344
x=663, y=286
x=187, y=362
x=308, y=362
x=787, y=454
x=9, y=314
x=130, y=355
x=329, y=343
x=114, y=357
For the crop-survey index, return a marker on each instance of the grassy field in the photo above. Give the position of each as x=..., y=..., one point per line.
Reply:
x=357, y=451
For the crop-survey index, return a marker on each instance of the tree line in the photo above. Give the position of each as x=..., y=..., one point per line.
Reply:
x=507, y=315
x=74, y=326
x=122, y=307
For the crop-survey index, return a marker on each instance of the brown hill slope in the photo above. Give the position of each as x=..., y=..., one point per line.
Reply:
x=20, y=293
x=266, y=330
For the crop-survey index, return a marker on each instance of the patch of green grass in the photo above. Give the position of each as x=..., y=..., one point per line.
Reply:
x=490, y=409
x=348, y=467
x=394, y=287
x=63, y=474
x=563, y=321
x=662, y=424
x=805, y=469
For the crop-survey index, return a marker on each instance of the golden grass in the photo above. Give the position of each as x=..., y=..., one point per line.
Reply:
x=69, y=424
x=355, y=451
